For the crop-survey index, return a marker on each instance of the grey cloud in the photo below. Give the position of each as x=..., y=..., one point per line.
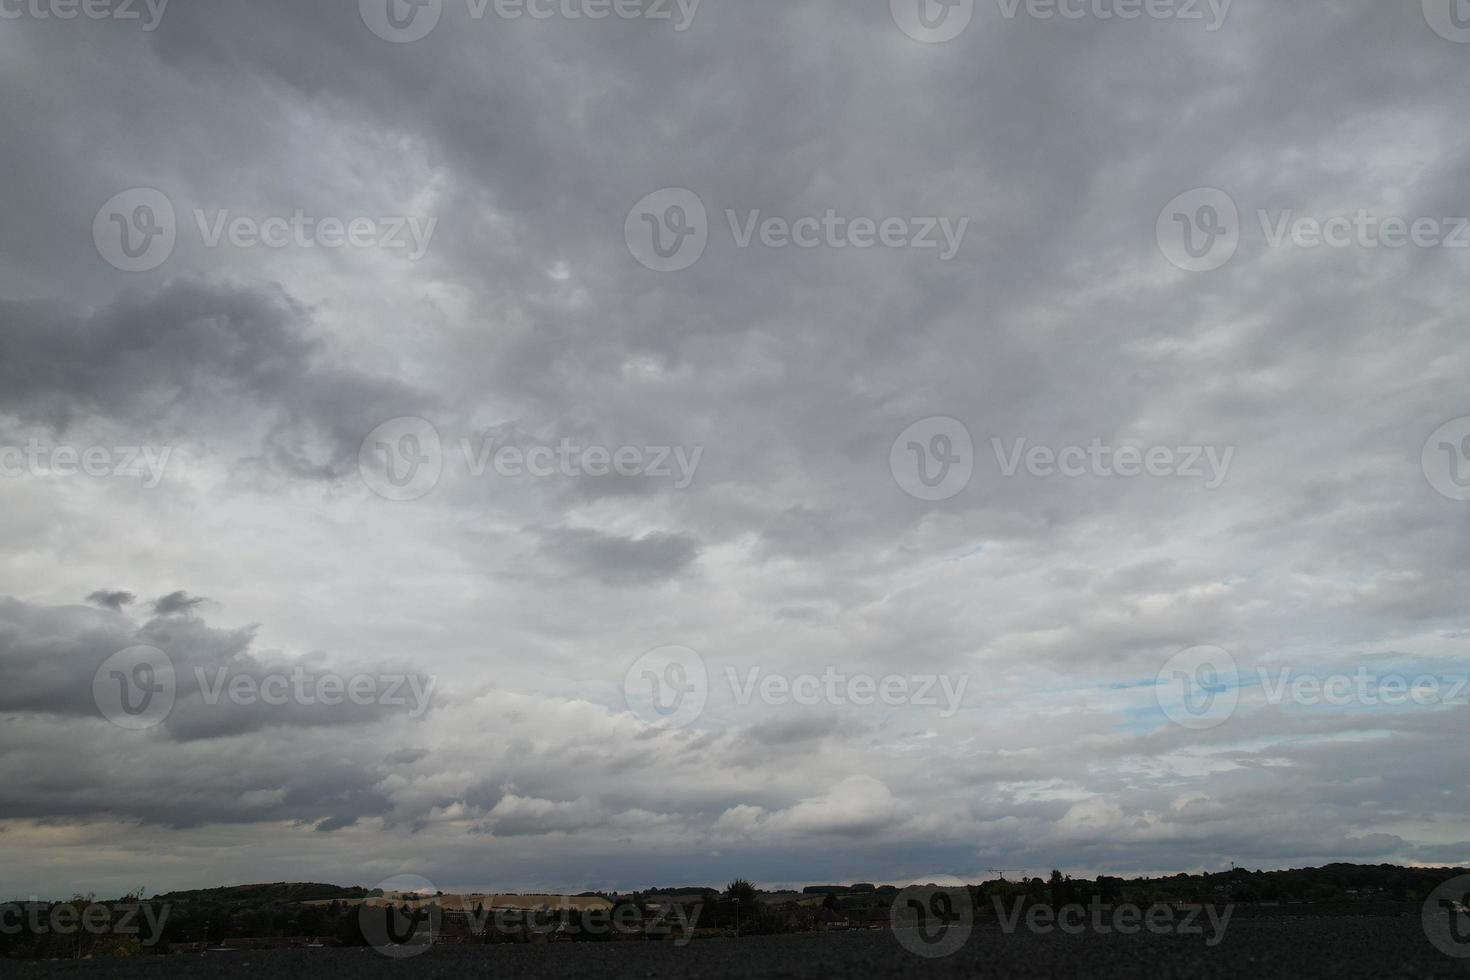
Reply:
x=111, y=600
x=49, y=656
x=177, y=602
x=175, y=359
x=615, y=560
x=334, y=823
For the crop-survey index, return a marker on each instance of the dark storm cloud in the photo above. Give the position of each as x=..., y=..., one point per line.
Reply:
x=331, y=824
x=50, y=655
x=176, y=602
x=108, y=599
x=177, y=358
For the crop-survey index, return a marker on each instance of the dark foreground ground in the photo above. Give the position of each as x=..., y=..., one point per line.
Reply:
x=1336, y=947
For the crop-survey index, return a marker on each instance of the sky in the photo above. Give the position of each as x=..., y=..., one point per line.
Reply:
x=574, y=445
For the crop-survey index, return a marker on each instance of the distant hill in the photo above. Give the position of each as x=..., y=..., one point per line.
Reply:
x=1330, y=883
x=281, y=891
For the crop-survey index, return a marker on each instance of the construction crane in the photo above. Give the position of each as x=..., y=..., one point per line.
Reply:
x=1002, y=871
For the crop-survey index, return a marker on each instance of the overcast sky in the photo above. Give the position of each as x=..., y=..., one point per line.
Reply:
x=339, y=297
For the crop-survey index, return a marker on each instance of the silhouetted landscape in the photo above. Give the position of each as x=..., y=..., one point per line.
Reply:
x=1341, y=919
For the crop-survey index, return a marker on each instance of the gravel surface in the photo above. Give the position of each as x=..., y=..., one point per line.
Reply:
x=1337, y=947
